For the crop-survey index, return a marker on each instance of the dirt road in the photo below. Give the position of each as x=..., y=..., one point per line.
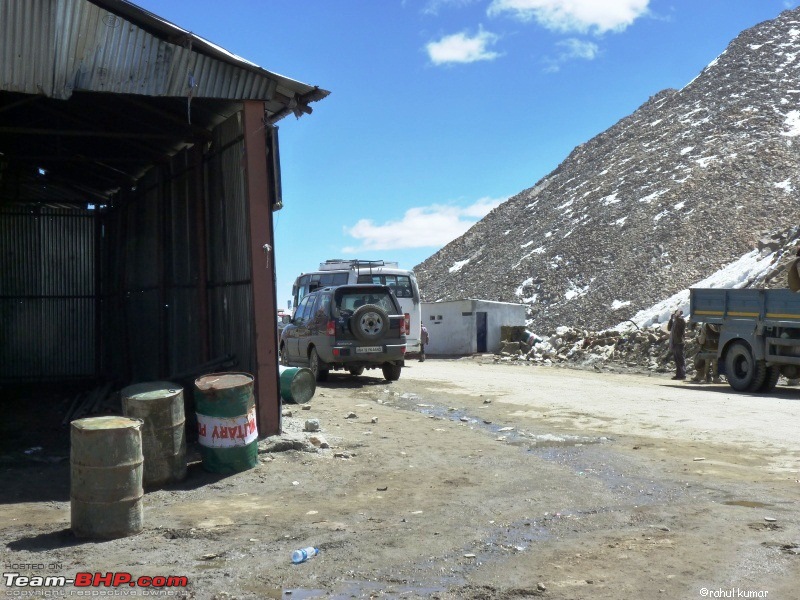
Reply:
x=466, y=479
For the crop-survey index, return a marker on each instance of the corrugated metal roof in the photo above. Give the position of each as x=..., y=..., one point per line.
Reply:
x=93, y=93
x=56, y=47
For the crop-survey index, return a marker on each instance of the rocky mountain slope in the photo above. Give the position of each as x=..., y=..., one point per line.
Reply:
x=691, y=181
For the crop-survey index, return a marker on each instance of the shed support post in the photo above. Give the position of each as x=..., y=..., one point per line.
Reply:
x=262, y=265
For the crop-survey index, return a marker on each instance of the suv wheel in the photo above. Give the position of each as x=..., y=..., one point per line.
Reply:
x=391, y=372
x=282, y=358
x=369, y=323
x=317, y=366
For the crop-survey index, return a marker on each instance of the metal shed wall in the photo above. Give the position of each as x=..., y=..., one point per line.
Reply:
x=177, y=215
x=47, y=293
x=229, y=260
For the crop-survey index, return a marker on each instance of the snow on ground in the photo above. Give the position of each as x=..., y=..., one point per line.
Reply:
x=792, y=124
x=458, y=265
x=732, y=276
x=617, y=304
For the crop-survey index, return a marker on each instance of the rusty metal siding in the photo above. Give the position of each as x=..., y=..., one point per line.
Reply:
x=47, y=304
x=230, y=288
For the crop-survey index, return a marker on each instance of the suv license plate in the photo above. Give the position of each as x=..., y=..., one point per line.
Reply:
x=369, y=349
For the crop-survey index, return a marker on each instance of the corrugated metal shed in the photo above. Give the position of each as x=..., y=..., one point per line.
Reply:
x=139, y=169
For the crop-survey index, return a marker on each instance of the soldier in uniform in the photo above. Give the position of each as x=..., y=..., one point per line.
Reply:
x=677, y=328
x=705, y=362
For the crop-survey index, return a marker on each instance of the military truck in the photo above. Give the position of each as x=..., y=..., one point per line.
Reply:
x=759, y=336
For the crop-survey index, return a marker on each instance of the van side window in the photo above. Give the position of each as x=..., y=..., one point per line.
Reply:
x=403, y=289
x=373, y=279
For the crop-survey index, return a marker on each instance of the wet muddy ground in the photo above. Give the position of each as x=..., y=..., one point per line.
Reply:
x=464, y=479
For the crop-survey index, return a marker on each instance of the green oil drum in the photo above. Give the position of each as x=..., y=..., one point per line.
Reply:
x=160, y=405
x=106, y=477
x=226, y=422
x=530, y=339
x=297, y=384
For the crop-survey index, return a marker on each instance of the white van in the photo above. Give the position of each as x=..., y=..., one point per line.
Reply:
x=342, y=272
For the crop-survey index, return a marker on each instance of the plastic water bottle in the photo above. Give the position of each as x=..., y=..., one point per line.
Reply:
x=304, y=554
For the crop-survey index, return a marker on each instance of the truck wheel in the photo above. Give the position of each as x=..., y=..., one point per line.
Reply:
x=744, y=373
x=771, y=379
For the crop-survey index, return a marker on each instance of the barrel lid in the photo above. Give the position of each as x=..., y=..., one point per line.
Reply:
x=102, y=423
x=222, y=381
x=151, y=390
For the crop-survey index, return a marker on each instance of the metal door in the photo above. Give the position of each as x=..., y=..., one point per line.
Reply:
x=480, y=331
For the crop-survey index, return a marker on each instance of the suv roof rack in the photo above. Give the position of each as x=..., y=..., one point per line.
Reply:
x=341, y=263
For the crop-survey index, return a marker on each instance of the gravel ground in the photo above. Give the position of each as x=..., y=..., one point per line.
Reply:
x=465, y=479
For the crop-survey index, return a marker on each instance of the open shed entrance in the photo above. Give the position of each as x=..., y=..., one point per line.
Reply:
x=138, y=175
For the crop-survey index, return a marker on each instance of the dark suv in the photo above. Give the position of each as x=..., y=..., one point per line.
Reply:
x=353, y=327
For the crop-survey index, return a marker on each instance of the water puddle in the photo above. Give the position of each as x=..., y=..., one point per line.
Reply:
x=511, y=435
x=747, y=503
x=303, y=594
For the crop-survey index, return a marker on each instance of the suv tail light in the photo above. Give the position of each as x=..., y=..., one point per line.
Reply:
x=405, y=326
x=331, y=329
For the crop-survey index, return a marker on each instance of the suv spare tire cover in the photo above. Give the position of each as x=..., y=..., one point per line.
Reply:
x=369, y=323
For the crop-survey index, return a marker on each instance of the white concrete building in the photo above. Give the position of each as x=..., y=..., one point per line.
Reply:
x=468, y=326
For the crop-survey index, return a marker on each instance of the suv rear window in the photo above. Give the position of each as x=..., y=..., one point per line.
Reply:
x=349, y=299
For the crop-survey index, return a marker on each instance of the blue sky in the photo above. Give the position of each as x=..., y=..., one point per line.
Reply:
x=441, y=109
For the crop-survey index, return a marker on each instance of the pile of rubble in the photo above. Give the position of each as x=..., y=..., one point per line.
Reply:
x=640, y=350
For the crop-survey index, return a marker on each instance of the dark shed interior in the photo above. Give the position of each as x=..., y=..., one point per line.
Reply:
x=139, y=170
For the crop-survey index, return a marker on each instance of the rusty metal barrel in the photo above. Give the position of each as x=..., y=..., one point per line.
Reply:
x=106, y=477
x=226, y=422
x=297, y=384
x=160, y=405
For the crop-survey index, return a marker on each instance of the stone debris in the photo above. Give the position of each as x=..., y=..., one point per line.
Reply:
x=351, y=415
x=640, y=350
x=318, y=441
x=285, y=443
x=312, y=425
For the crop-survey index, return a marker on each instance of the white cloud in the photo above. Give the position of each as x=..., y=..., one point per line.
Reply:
x=461, y=48
x=572, y=49
x=420, y=227
x=574, y=15
x=433, y=7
